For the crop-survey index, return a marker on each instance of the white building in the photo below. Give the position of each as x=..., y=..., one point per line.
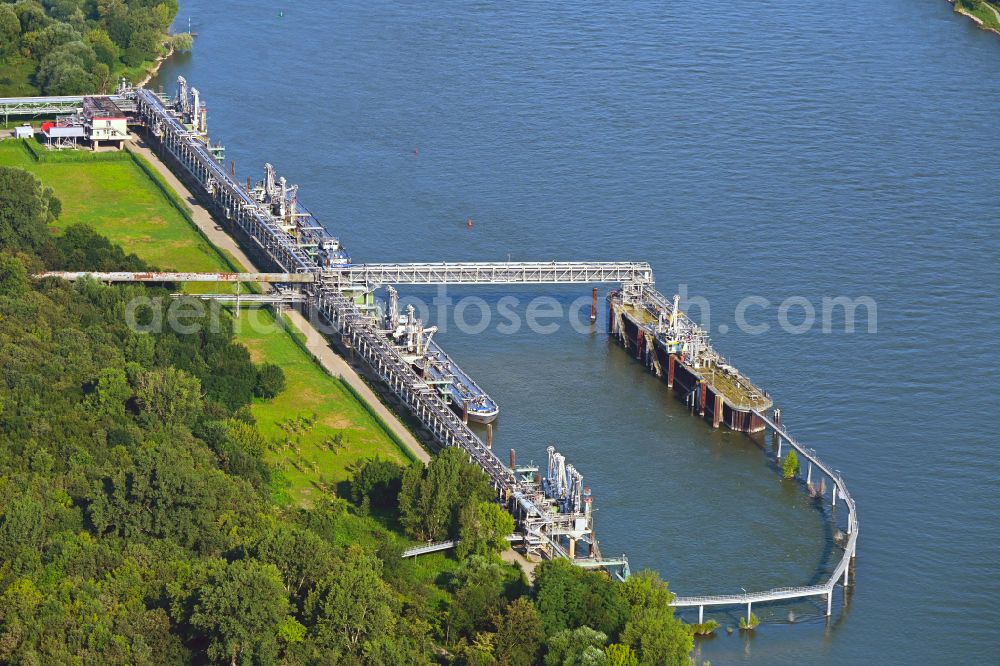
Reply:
x=104, y=121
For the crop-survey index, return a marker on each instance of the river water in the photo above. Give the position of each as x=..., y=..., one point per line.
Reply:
x=776, y=150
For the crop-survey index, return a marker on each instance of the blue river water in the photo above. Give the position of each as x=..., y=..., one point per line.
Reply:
x=745, y=149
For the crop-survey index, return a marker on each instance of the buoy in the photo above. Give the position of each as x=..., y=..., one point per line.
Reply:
x=468, y=223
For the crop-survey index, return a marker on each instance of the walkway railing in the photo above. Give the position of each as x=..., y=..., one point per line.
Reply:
x=511, y=272
x=840, y=573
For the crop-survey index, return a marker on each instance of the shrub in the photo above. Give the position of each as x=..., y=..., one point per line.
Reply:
x=270, y=381
x=790, y=467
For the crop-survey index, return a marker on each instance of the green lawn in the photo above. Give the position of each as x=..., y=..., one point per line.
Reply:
x=318, y=427
x=121, y=202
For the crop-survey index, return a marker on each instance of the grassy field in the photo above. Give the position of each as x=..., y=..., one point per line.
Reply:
x=120, y=201
x=317, y=426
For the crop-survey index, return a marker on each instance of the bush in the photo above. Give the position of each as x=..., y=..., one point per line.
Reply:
x=751, y=625
x=182, y=42
x=377, y=481
x=270, y=381
x=40, y=153
x=790, y=467
x=705, y=628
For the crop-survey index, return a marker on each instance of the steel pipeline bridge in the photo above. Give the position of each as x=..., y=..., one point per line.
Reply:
x=50, y=106
x=511, y=272
x=372, y=276
x=323, y=288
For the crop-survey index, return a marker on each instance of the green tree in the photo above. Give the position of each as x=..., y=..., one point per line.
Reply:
x=350, y=608
x=477, y=653
x=790, y=467
x=25, y=210
x=163, y=494
x=23, y=527
x=167, y=396
x=240, y=611
x=569, y=597
x=431, y=498
x=378, y=480
x=111, y=392
x=32, y=16
x=270, y=381
x=519, y=634
x=182, y=42
x=483, y=529
x=67, y=69
x=750, y=625
x=10, y=30
x=81, y=248
x=657, y=636
x=48, y=39
x=301, y=556
x=105, y=50
x=621, y=655
x=143, y=45
x=13, y=277
x=478, y=595
x=579, y=647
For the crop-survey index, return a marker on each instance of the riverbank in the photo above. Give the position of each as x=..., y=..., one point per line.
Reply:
x=155, y=69
x=984, y=14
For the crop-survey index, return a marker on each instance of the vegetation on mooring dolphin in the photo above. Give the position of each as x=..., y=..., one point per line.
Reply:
x=790, y=467
x=750, y=625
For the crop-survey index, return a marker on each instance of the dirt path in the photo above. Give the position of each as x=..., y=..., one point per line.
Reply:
x=994, y=10
x=315, y=342
x=511, y=556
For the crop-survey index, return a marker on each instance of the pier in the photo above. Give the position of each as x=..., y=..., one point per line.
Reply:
x=553, y=509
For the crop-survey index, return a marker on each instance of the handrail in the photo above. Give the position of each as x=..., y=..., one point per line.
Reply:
x=839, y=571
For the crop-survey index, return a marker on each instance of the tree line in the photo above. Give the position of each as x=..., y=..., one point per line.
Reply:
x=138, y=523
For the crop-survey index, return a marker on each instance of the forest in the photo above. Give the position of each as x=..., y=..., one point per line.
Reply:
x=65, y=47
x=137, y=524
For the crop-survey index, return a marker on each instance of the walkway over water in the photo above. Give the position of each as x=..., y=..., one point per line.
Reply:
x=511, y=272
x=840, y=573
